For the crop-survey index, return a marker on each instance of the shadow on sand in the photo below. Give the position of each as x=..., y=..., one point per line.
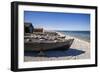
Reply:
x=56, y=53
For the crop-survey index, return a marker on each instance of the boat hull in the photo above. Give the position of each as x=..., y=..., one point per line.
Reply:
x=41, y=46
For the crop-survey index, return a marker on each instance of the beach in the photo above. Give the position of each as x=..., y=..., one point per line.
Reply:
x=79, y=49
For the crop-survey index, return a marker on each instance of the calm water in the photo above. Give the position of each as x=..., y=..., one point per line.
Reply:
x=83, y=35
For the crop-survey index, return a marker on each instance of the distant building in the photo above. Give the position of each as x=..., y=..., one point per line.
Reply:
x=28, y=28
x=38, y=30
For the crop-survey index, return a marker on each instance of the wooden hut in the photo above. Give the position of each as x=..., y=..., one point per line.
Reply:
x=28, y=28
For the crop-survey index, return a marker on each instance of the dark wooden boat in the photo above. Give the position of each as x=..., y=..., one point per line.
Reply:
x=32, y=43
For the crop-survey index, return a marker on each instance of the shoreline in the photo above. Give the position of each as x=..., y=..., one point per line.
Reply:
x=68, y=36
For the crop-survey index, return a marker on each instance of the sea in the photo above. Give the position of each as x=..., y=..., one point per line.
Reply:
x=83, y=35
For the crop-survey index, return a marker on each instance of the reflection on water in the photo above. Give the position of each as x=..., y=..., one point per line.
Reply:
x=56, y=53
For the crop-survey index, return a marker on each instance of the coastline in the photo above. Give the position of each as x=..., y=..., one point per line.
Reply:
x=79, y=45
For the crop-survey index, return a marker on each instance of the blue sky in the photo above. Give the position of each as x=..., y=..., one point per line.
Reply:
x=58, y=21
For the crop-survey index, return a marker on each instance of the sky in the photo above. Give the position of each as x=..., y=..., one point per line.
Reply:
x=58, y=21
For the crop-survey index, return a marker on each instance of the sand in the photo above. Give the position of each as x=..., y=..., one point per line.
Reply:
x=77, y=45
